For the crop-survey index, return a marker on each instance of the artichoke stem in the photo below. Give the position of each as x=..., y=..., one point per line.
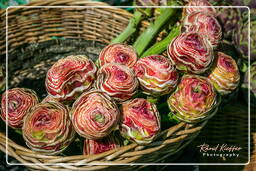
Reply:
x=159, y=47
x=152, y=99
x=149, y=34
x=130, y=29
x=173, y=118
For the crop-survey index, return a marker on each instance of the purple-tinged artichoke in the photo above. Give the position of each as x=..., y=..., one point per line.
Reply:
x=156, y=74
x=194, y=99
x=191, y=52
x=140, y=121
x=229, y=19
x=118, y=53
x=19, y=101
x=209, y=9
x=250, y=3
x=94, y=115
x=102, y=145
x=206, y=24
x=245, y=85
x=224, y=74
x=69, y=77
x=47, y=128
x=240, y=38
x=118, y=81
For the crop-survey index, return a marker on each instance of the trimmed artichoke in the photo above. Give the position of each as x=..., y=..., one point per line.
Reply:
x=118, y=53
x=225, y=74
x=99, y=146
x=140, y=121
x=118, y=81
x=204, y=23
x=94, y=115
x=209, y=10
x=69, y=77
x=156, y=74
x=48, y=129
x=191, y=52
x=20, y=101
x=194, y=99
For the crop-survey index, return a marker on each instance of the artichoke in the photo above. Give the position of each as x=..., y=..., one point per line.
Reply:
x=20, y=101
x=99, y=146
x=94, y=115
x=240, y=38
x=224, y=74
x=69, y=77
x=191, y=52
x=140, y=121
x=204, y=23
x=118, y=81
x=250, y=3
x=118, y=53
x=245, y=85
x=156, y=74
x=47, y=128
x=208, y=10
x=194, y=99
x=229, y=19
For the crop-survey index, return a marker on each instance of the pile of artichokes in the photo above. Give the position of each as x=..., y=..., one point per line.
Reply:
x=121, y=92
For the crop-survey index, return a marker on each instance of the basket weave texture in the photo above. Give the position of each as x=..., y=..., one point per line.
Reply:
x=28, y=26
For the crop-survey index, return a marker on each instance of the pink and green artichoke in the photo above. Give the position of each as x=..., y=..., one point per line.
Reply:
x=156, y=75
x=94, y=115
x=189, y=10
x=69, y=77
x=19, y=102
x=118, y=81
x=47, y=128
x=102, y=145
x=206, y=24
x=225, y=74
x=194, y=99
x=140, y=121
x=118, y=53
x=191, y=52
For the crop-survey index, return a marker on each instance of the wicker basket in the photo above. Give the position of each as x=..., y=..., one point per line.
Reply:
x=30, y=29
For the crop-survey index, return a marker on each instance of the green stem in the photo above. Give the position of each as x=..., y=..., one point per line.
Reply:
x=147, y=36
x=173, y=118
x=159, y=47
x=130, y=29
x=152, y=99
